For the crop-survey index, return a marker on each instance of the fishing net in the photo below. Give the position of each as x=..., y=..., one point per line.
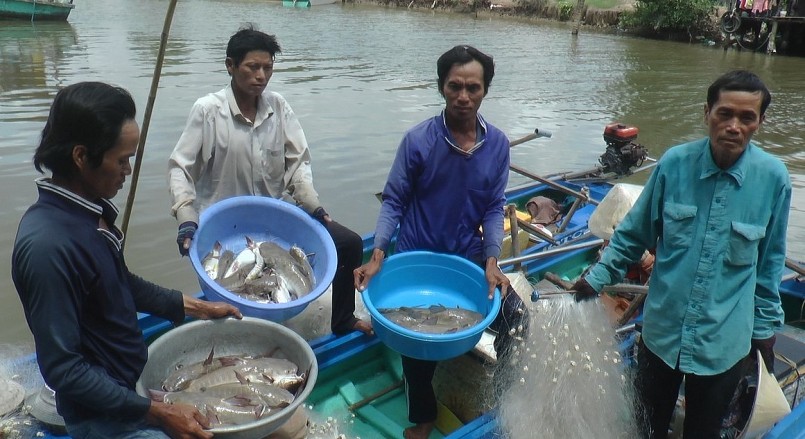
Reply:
x=567, y=378
x=17, y=365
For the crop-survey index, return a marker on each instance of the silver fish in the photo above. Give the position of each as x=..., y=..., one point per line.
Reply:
x=287, y=267
x=435, y=319
x=210, y=261
x=251, y=370
x=244, y=258
x=226, y=259
x=184, y=374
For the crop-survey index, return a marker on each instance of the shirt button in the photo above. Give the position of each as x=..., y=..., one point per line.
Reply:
x=712, y=228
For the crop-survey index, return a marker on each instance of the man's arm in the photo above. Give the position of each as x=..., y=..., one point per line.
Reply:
x=771, y=260
x=298, y=173
x=51, y=298
x=186, y=163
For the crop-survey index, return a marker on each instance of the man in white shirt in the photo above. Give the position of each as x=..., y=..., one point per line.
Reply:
x=246, y=140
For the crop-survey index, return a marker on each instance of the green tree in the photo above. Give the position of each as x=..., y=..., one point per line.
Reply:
x=670, y=16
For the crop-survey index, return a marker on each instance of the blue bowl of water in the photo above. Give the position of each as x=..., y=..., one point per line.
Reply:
x=262, y=219
x=422, y=279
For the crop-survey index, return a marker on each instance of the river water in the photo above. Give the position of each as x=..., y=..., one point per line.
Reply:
x=358, y=76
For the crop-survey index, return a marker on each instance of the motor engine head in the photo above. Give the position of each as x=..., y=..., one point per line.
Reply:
x=622, y=153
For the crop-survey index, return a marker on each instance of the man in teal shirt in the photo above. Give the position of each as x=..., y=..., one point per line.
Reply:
x=716, y=211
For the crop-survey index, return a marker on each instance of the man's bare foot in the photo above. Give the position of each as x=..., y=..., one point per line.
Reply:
x=419, y=431
x=364, y=327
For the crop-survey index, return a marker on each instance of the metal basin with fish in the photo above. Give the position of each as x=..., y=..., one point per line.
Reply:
x=421, y=279
x=231, y=220
x=191, y=343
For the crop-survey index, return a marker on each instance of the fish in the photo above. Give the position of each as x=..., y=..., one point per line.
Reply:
x=435, y=319
x=282, y=294
x=288, y=268
x=259, y=262
x=251, y=370
x=243, y=259
x=268, y=395
x=230, y=410
x=258, y=290
x=304, y=263
x=210, y=261
x=183, y=375
x=226, y=259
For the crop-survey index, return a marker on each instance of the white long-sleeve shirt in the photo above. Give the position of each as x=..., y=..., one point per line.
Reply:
x=222, y=154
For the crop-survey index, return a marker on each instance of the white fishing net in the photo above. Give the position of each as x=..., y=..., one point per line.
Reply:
x=567, y=378
x=17, y=365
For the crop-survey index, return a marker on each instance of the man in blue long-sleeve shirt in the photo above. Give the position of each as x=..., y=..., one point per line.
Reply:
x=716, y=210
x=79, y=297
x=447, y=181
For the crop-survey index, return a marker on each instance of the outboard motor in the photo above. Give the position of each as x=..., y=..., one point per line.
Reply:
x=622, y=152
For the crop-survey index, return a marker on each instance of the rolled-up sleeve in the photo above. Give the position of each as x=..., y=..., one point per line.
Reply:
x=298, y=172
x=186, y=164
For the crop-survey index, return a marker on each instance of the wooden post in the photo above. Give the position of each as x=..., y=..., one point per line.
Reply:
x=511, y=211
x=577, y=15
x=772, y=47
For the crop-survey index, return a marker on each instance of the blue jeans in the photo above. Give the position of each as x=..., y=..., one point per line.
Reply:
x=110, y=429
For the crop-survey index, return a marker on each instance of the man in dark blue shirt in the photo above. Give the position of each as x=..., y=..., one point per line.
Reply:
x=79, y=297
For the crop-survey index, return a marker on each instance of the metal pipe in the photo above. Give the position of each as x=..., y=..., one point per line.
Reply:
x=551, y=252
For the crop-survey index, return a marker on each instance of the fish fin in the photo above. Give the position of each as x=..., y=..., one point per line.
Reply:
x=212, y=416
x=259, y=411
x=210, y=357
x=157, y=395
x=241, y=378
x=229, y=361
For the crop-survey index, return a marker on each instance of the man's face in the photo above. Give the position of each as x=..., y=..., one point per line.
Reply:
x=252, y=75
x=463, y=91
x=108, y=178
x=732, y=121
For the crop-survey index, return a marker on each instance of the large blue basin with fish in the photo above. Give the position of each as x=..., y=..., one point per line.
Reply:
x=229, y=221
x=422, y=279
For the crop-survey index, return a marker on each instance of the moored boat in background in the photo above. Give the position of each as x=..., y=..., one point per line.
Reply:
x=34, y=10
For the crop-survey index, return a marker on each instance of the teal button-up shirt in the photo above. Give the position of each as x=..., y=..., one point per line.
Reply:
x=720, y=250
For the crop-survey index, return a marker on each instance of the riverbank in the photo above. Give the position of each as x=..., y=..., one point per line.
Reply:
x=607, y=18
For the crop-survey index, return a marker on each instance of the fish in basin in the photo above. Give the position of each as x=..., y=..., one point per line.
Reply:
x=434, y=319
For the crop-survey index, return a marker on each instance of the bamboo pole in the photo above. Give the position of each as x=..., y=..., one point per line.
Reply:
x=163, y=42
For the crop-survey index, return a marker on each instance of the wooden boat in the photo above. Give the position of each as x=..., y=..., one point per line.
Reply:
x=34, y=10
x=359, y=389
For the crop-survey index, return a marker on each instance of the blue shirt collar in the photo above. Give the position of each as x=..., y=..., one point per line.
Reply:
x=102, y=208
x=737, y=171
x=480, y=139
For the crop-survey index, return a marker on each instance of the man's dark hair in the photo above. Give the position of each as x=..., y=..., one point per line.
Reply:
x=247, y=39
x=739, y=80
x=461, y=55
x=91, y=114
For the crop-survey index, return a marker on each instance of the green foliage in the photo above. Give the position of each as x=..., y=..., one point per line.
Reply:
x=565, y=10
x=602, y=4
x=691, y=16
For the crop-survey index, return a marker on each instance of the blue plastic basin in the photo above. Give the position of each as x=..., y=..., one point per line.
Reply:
x=421, y=279
x=263, y=218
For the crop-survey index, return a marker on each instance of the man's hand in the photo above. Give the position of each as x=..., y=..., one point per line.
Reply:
x=766, y=348
x=202, y=309
x=583, y=290
x=322, y=215
x=367, y=271
x=495, y=278
x=179, y=421
x=186, y=232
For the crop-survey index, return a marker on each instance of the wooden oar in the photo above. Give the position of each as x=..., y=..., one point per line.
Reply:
x=374, y=396
x=795, y=267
